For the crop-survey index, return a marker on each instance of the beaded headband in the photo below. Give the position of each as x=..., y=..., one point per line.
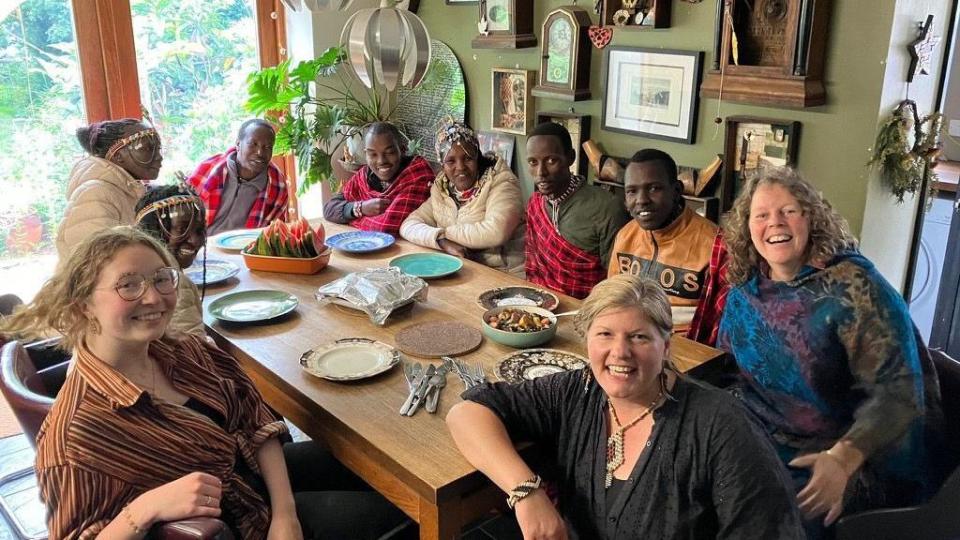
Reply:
x=165, y=208
x=452, y=133
x=115, y=147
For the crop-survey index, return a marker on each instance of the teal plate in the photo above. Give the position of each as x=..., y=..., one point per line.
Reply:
x=236, y=240
x=252, y=306
x=427, y=265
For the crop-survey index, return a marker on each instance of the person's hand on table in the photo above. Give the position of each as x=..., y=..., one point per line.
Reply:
x=824, y=492
x=453, y=248
x=375, y=206
x=539, y=519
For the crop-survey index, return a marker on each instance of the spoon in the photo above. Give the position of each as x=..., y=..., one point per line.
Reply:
x=565, y=313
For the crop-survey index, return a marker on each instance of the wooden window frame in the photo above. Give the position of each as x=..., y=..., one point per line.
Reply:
x=108, y=60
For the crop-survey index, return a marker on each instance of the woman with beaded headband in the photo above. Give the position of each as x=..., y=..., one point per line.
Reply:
x=475, y=208
x=123, y=155
x=174, y=215
x=640, y=451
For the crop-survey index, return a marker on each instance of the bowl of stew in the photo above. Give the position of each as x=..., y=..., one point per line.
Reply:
x=519, y=327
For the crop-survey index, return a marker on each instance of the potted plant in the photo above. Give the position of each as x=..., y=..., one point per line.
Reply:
x=315, y=120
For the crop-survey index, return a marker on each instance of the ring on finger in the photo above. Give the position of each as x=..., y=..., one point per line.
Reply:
x=208, y=501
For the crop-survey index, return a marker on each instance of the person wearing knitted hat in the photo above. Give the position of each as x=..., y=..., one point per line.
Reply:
x=475, y=208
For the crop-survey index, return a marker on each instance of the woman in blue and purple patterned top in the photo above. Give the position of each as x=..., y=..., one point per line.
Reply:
x=830, y=361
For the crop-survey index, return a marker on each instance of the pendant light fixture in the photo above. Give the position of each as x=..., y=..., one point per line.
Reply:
x=387, y=46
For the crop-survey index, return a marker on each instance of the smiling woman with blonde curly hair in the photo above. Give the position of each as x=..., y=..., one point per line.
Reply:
x=830, y=360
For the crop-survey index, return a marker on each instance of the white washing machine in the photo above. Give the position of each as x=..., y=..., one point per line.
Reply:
x=933, y=248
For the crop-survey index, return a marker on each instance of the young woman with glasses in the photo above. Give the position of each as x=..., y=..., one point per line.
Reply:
x=123, y=155
x=149, y=427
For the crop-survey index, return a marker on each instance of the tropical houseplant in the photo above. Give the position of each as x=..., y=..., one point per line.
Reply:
x=318, y=107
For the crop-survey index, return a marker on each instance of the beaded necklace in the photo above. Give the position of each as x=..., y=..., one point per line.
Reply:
x=615, y=441
x=554, y=202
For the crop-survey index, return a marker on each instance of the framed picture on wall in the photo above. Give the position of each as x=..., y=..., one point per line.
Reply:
x=512, y=108
x=579, y=127
x=752, y=144
x=652, y=92
x=497, y=145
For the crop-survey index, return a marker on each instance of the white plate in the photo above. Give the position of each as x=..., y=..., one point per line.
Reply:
x=217, y=271
x=349, y=359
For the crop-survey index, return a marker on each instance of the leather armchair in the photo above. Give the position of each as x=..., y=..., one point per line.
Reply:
x=30, y=378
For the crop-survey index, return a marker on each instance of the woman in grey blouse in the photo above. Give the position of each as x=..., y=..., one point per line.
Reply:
x=638, y=450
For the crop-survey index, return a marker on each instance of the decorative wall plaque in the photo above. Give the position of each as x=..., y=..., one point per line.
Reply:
x=769, y=52
x=565, y=55
x=505, y=24
x=640, y=14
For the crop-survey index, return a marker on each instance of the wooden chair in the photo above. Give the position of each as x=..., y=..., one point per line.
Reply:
x=938, y=519
x=30, y=377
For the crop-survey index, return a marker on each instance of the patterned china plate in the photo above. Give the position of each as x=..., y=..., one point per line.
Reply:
x=349, y=359
x=532, y=363
x=236, y=240
x=360, y=241
x=217, y=271
x=253, y=306
x=518, y=296
x=427, y=265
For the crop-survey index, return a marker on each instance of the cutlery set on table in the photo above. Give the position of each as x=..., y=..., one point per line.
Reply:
x=426, y=382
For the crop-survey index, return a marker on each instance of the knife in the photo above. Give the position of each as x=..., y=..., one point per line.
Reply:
x=437, y=382
x=417, y=397
x=418, y=382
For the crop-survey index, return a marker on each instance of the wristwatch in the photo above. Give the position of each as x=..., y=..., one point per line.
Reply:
x=358, y=209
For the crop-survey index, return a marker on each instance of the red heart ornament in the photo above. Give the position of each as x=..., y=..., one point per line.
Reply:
x=600, y=36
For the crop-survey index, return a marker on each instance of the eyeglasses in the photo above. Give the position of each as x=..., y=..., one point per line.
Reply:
x=132, y=286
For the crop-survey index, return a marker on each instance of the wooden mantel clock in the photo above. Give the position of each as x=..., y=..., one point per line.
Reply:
x=565, y=55
x=505, y=24
x=769, y=52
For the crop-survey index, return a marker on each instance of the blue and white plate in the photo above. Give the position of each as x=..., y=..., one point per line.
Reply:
x=360, y=241
x=236, y=240
x=217, y=271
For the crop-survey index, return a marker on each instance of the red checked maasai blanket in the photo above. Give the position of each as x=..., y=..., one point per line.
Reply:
x=706, y=320
x=211, y=175
x=552, y=261
x=407, y=192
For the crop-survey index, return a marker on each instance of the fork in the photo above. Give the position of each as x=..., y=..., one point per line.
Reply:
x=478, y=374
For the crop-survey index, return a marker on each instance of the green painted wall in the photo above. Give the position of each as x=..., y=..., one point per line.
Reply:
x=835, y=138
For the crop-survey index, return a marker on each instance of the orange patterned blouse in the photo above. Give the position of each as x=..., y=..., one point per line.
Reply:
x=106, y=441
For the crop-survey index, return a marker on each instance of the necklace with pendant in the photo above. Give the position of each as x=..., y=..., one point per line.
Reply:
x=615, y=441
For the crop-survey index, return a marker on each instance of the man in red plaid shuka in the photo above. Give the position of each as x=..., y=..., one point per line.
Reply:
x=381, y=195
x=240, y=188
x=570, y=225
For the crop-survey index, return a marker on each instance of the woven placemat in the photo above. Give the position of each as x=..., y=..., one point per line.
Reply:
x=436, y=339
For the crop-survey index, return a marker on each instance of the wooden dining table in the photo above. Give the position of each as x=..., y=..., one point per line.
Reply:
x=412, y=461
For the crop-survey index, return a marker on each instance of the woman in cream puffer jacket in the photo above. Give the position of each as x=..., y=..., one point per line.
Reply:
x=475, y=209
x=104, y=187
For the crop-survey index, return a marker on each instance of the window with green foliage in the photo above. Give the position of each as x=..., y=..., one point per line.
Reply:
x=193, y=58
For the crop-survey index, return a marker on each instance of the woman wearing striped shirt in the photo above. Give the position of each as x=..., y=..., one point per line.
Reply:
x=150, y=427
